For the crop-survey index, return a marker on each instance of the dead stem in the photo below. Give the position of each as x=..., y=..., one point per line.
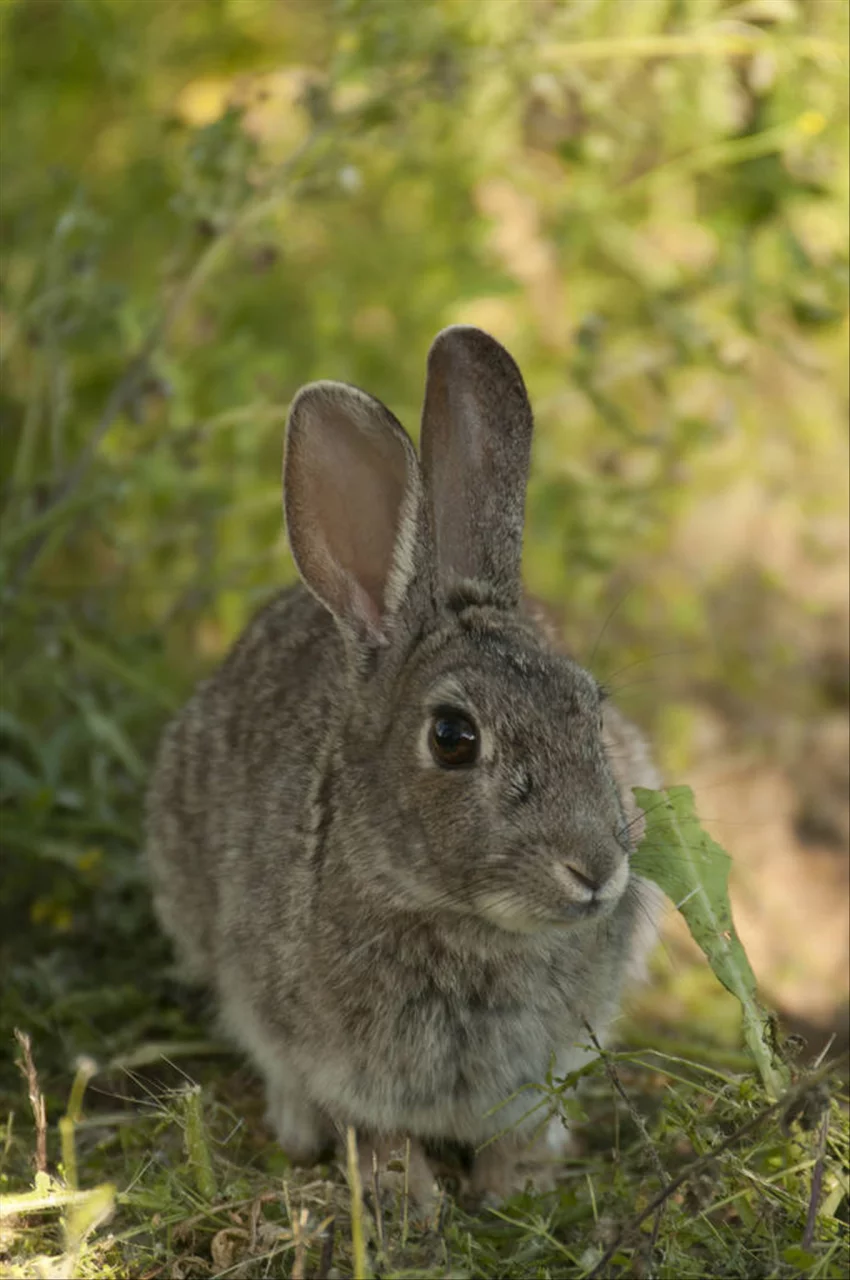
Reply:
x=817, y=1180
x=36, y=1097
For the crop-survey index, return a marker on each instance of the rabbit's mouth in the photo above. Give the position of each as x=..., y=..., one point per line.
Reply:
x=569, y=898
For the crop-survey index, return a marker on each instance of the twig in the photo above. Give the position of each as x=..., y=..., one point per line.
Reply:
x=696, y=1166
x=36, y=1097
x=299, y=1227
x=824, y=1051
x=327, y=1255
x=266, y=1197
x=638, y=1119
x=817, y=1181
x=376, y=1192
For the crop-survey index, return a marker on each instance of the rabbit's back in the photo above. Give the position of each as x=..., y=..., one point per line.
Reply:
x=240, y=751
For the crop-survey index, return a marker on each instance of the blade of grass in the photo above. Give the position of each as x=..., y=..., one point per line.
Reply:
x=358, y=1246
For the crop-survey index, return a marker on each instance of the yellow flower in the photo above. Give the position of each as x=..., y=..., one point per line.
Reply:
x=62, y=919
x=89, y=860
x=40, y=910
x=811, y=123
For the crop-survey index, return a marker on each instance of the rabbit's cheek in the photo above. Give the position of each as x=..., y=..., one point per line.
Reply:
x=508, y=912
x=615, y=886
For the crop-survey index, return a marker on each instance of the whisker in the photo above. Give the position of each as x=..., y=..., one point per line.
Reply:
x=616, y=689
x=653, y=657
x=611, y=612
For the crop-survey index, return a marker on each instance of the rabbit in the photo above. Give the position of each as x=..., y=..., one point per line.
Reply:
x=392, y=832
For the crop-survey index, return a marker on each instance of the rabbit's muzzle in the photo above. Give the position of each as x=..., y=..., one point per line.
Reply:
x=558, y=890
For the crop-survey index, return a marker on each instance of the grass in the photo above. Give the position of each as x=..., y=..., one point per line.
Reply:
x=197, y=1189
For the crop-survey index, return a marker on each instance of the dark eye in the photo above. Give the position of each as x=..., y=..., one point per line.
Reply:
x=453, y=739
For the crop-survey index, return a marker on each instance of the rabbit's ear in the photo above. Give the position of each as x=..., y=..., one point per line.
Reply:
x=475, y=446
x=351, y=501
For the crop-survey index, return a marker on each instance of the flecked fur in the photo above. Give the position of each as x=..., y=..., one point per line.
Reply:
x=397, y=946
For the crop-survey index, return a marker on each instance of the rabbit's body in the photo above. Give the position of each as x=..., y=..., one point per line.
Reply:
x=401, y=947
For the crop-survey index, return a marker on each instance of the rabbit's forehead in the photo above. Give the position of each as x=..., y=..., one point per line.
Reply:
x=510, y=684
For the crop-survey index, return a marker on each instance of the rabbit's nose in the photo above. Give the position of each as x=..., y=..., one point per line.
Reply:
x=585, y=884
x=578, y=884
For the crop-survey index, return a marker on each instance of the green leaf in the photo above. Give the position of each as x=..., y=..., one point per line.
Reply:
x=108, y=732
x=15, y=780
x=693, y=871
x=799, y=1258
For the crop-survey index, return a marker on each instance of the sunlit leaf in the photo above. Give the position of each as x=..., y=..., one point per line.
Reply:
x=692, y=869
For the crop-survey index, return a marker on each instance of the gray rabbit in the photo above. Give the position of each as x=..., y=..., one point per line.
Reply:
x=392, y=832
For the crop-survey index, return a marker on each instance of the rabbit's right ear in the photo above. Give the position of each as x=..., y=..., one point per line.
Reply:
x=475, y=446
x=351, y=502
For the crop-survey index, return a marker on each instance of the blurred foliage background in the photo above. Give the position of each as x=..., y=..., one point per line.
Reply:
x=206, y=204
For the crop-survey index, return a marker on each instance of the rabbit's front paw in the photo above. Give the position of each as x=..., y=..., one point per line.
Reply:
x=505, y=1167
x=397, y=1165
x=303, y=1131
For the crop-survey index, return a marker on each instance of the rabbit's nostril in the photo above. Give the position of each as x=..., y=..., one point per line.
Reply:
x=584, y=880
x=598, y=878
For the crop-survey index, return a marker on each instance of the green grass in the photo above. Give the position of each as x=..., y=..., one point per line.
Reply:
x=683, y=1171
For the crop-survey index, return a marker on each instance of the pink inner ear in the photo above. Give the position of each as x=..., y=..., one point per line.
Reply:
x=359, y=488
x=347, y=486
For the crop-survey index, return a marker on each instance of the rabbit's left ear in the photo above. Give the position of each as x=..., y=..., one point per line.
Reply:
x=476, y=446
x=351, y=501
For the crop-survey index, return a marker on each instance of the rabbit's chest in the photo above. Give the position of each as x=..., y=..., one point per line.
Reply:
x=495, y=1050
x=432, y=1047
x=455, y=1059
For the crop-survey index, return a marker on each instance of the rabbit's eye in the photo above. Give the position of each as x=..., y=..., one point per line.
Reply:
x=453, y=739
